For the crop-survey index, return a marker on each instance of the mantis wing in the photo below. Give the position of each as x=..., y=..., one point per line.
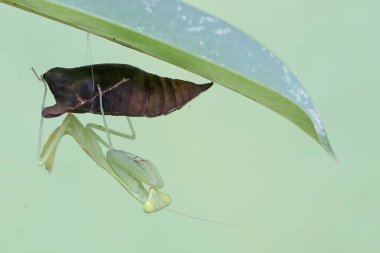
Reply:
x=141, y=169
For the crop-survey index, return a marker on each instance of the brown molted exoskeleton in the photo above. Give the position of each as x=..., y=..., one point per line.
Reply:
x=126, y=90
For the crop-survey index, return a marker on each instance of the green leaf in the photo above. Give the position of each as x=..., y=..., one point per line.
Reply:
x=194, y=40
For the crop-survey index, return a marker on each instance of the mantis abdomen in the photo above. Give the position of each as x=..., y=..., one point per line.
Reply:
x=126, y=90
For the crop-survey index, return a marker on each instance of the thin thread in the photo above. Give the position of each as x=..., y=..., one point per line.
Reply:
x=201, y=219
x=89, y=52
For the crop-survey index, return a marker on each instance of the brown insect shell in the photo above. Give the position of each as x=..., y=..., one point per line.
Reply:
x=126, y=90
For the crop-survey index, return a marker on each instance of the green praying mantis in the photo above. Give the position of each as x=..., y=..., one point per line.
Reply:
x=74, y=91
x=138, y=176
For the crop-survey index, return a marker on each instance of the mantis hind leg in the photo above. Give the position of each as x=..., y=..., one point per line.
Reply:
x=108, y=130
x=131, y=136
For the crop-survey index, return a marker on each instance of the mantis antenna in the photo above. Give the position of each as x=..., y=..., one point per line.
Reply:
x=40, y=78
x=201, y=219
x=89, y=53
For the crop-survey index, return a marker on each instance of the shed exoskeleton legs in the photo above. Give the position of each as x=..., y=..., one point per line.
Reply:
x=138, y=176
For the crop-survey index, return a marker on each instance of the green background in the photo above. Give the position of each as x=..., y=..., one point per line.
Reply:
x=222, y=157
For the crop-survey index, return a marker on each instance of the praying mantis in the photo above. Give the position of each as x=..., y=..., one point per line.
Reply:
x=75, y=92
